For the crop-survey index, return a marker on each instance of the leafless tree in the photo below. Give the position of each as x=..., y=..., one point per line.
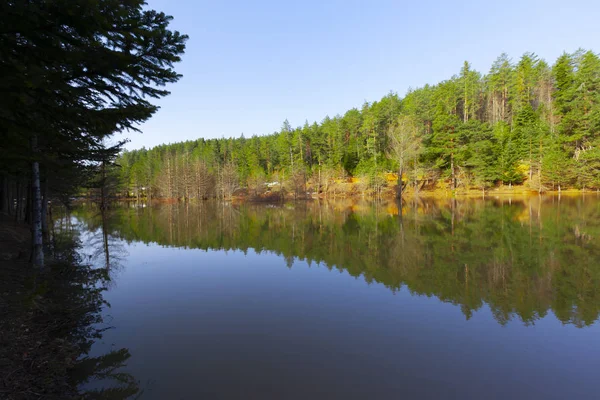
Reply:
x=404, y=145
x=228, y=180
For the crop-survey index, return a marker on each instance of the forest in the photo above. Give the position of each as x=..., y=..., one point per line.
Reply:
x=524, y=123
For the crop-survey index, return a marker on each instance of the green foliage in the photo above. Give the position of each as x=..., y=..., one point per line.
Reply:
x=508, y=153
x=525, y=123
x=74, y=73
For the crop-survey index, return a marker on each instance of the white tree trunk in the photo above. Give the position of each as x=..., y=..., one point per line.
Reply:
x=36, y=229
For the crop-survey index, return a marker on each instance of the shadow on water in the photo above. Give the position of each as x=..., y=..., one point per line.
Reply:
x=523, y=258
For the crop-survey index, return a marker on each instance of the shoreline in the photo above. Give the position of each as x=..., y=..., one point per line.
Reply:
x=388, y=194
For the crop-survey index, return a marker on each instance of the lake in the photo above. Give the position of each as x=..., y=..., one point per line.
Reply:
x=496, y=298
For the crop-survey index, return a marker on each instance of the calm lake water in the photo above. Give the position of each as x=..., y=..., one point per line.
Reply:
x=464, y=299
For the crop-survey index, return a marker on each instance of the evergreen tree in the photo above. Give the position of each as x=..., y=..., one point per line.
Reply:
x=527, y=123
x=102, y=61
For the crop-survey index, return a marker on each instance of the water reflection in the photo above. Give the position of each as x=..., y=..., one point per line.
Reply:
x=523, y=258
x=110, y=382
x=84, y=273
x=102, y=247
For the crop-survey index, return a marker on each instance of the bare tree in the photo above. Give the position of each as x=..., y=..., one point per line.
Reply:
x=332, y=180
x=204, y=180
x=296, y=182
x=187, y=178
x=327, y=178
x=38, y=251
x=404, y=145
x=257, y=183
x=228, y=180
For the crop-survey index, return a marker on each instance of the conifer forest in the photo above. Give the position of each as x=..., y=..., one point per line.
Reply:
x=524, y=122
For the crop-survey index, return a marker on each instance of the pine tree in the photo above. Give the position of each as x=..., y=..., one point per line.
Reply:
x=102, y=61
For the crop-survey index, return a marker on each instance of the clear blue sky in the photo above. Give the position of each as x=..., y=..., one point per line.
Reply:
x=249, y=65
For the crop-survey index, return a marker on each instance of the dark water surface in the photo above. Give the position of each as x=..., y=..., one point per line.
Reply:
x=465, y=299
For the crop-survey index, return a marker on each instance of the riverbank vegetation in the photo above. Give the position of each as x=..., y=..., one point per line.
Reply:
x=525, y=123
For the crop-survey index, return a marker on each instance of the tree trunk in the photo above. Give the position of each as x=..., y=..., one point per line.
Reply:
x=452, y=171
x=28, y=215
x=530, y=163
x=540, y=179
x=169, y=188
x=45, y=209
x=103, y=186
x=18, y=201
x=3, y=194
x=9, y=196
x=399, y=190
x=540, y=167
x=37, y=256
x=466, y=105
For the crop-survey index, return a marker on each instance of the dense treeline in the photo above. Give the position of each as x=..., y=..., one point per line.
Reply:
x=521, y=258
x=73, y=73
x=524, y=122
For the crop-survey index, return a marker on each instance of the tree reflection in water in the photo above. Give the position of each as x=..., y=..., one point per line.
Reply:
x=82, y=275
x=523, y=257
